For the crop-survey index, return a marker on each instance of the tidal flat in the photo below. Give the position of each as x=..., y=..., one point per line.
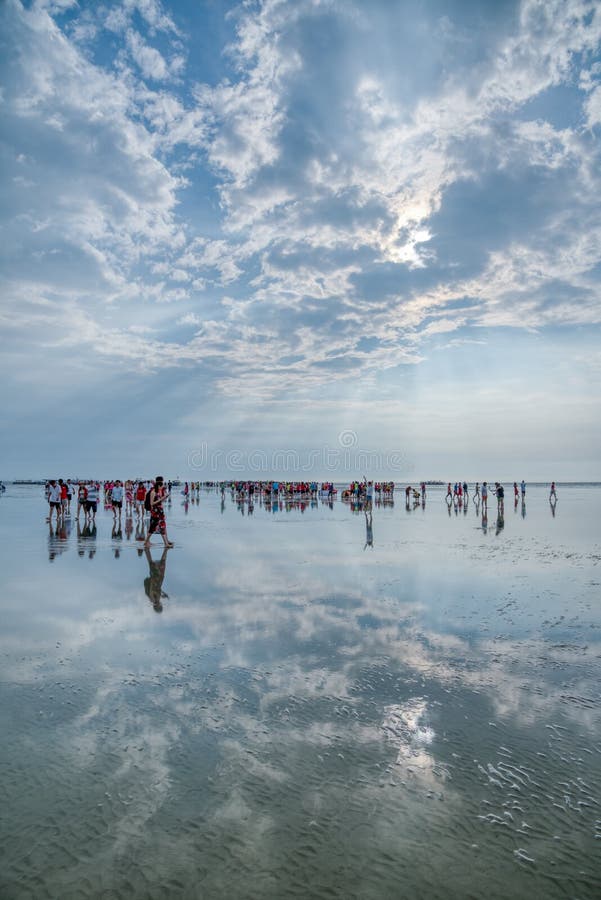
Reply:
x=303, y=701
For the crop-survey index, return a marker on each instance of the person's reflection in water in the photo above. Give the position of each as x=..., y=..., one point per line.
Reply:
x=117, y=535
x=484, y=519
x=153, y=583
x=553, y=505
x=500, y=523
x=223, y=503
x=523, y=508
x=86, y=538
x=369, y=531
x=129, y=527
x=140, y=529
x=54, y=542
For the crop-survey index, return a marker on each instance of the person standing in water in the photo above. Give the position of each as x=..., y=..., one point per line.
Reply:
x=117, y=499
x=157, y=495
x=54, y=501
x=523, y=489
x=553, y=494
x=91, y=501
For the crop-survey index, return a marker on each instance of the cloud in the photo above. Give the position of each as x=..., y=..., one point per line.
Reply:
x=148, y=58
x=322, y=190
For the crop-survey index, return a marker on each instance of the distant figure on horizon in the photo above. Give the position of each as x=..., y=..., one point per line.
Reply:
x=553, y=493
x=523, y=488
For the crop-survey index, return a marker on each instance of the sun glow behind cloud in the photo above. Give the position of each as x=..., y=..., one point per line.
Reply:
x=271, y=204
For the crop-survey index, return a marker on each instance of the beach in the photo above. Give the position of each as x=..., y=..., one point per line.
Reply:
x=305, y=701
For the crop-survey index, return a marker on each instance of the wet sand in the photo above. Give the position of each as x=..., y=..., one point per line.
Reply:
x=301, y=702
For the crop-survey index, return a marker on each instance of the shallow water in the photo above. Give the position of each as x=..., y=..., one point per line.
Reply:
x=318, y=710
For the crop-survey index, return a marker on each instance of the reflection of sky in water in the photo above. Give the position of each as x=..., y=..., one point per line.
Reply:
x=305, y=709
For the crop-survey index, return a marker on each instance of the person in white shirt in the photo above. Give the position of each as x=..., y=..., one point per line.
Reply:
x=92, y=501
x=54, y=500
x=117, y=499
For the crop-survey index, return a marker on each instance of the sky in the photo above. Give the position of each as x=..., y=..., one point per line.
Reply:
x=313, y=237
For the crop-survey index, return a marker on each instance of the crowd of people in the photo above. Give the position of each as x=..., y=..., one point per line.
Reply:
x=145, y=499
x=142, y=498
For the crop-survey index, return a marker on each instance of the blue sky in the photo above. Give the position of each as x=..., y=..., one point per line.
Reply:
x=256, y=226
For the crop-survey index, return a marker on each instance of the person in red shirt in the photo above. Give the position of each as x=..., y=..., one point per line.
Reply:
x=140, y=497
x=64, y=496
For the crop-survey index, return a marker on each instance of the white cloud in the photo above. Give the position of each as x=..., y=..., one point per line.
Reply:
x=148, y=58
x=326, y=233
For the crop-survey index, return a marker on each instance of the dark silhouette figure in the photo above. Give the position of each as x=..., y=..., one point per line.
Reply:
x=153, y=583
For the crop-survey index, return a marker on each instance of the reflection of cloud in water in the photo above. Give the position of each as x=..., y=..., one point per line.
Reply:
x=135, y=747
x=404, y=725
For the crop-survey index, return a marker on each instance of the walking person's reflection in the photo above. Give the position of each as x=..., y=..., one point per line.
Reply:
x=523, y=507
x=153, y=583
x=86, y=538
x=553, y=504
x=54, y=541
x=369, y=531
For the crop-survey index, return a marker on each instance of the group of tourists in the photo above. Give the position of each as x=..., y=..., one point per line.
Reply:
x=281, y=490
x=459, y=493
x=146, y=498
x=143, y=497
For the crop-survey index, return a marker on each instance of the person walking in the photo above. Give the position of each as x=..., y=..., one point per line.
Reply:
x=155, y=499
x=117, y=499
x=140, y=497
x=553, y=494
x=54, y=501
x=92, y=501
